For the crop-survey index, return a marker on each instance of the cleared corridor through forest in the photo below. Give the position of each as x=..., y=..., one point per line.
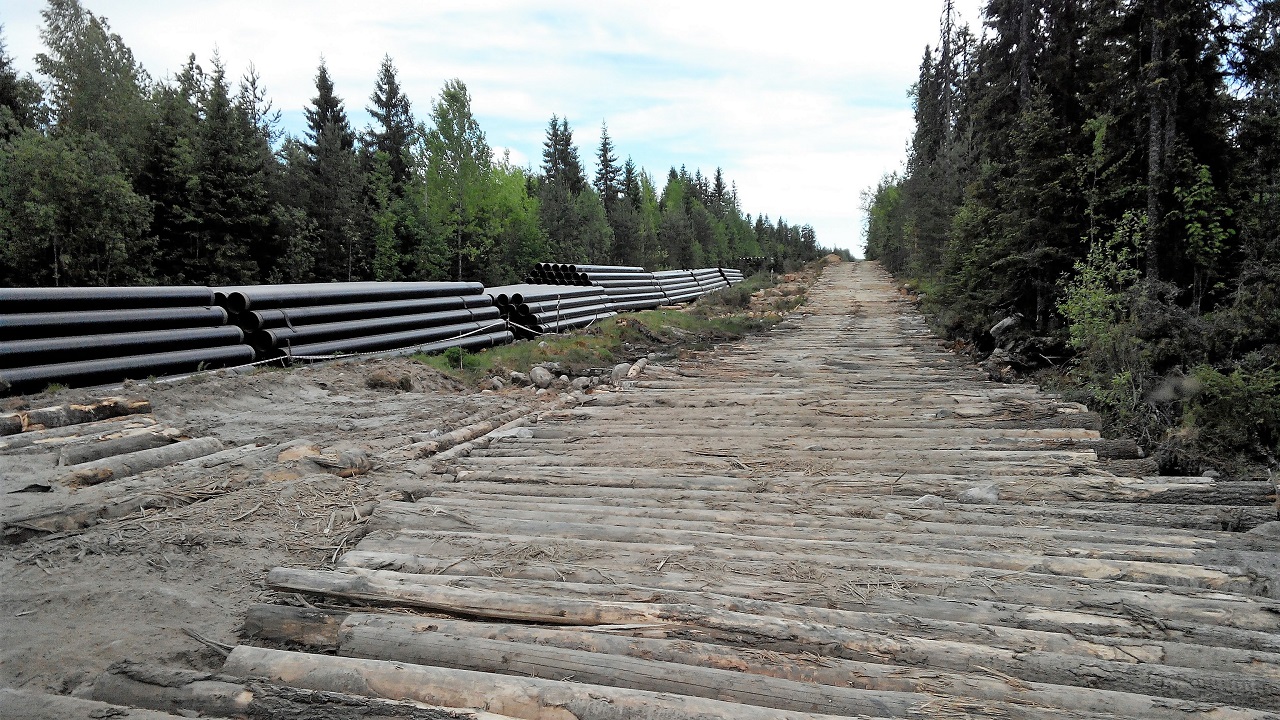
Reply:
x=838, y=517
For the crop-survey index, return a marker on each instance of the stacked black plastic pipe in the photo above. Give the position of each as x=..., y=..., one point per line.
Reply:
x=628, y=287
x=678, y=286
x=83, y=336
x=322, y=319
x=732, y=276
x=534, y=309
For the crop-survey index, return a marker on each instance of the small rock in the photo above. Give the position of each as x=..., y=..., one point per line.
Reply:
x=519, y=378
x=1267, y=529
x=893, y=518
x=564, y=379
x=543, y=391
x=981, y=495
x=541, y=377
x=495, y=383
x=524, y=432
x=1211, y=473
x=931, y=502
x=346, y=426
x=580, y=383
x=620, y=372
x=543, y=345
x=652, y=357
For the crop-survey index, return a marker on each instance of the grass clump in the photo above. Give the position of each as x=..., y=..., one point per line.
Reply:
x=712, y=319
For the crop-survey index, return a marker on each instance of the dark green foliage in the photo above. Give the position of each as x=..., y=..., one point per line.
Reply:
x=334, y=187
x=1108, y=170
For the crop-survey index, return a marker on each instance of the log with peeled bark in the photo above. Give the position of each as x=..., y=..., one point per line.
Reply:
x=906, y=559
x=1065, y=514
x=603, y=525
x=87, y=452
x=781, y=520
x=797, y=635
x=958, y=581
x=71, y=414
x=425, y=646
x=1017, y=486
x=192, y=693
x=465, y=433
x=1031, y=700
x=38, y=441
x=527, y=698
x=1181, y=619
x=134, y=463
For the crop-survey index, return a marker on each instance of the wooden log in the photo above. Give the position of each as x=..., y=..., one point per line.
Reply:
x=30, y=705
x=139, y=462
x=1029, y=700
x=71, y=414
x=39, y=440
x=88, y=452
x=528, y=698
x=960, y=581
x=906, y=558
x=451, y=513
x=1085, y=615
x=465, y=433
x=786, y=634
x=378, y=641
x=1063, y=514
x=1000, y=635
x=637, y=369
x=312, y=627
x=177, y=487
x=191, y=693
x=789, y=520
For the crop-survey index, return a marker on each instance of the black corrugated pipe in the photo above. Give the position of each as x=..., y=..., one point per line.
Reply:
x=26, y=300
x=320, y=332
x=606, y=269
x=61, y=324
x=261, y=297
x=260, y=319
x=409, y=339
x=47, y=351
x=86, y=372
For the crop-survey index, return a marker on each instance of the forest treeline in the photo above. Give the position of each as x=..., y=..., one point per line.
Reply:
x=109, y=177
x=1106, y=173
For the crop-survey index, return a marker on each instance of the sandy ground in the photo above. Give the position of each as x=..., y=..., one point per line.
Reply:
x=128, y=589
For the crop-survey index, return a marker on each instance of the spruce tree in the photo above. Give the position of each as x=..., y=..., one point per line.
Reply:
x=607, y=182
x=393, y=131
x=335, y=186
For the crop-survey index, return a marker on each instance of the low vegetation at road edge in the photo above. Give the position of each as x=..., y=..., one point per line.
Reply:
x=724, y=315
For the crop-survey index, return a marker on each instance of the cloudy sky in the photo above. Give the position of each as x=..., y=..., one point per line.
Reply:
x=803, y=104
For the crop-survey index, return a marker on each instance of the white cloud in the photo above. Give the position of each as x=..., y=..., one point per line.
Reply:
x=803, y=103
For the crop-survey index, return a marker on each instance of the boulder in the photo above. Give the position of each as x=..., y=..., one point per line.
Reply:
x=541, y=377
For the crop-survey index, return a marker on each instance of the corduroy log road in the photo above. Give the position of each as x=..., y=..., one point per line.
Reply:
x=837, y=518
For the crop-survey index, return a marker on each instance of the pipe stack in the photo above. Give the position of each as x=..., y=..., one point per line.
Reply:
x=628, y=287
x=710, y=279
x=83, y=336
x=535, y=309
x=733, y=276
x=677, y=286
x=320, y=319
